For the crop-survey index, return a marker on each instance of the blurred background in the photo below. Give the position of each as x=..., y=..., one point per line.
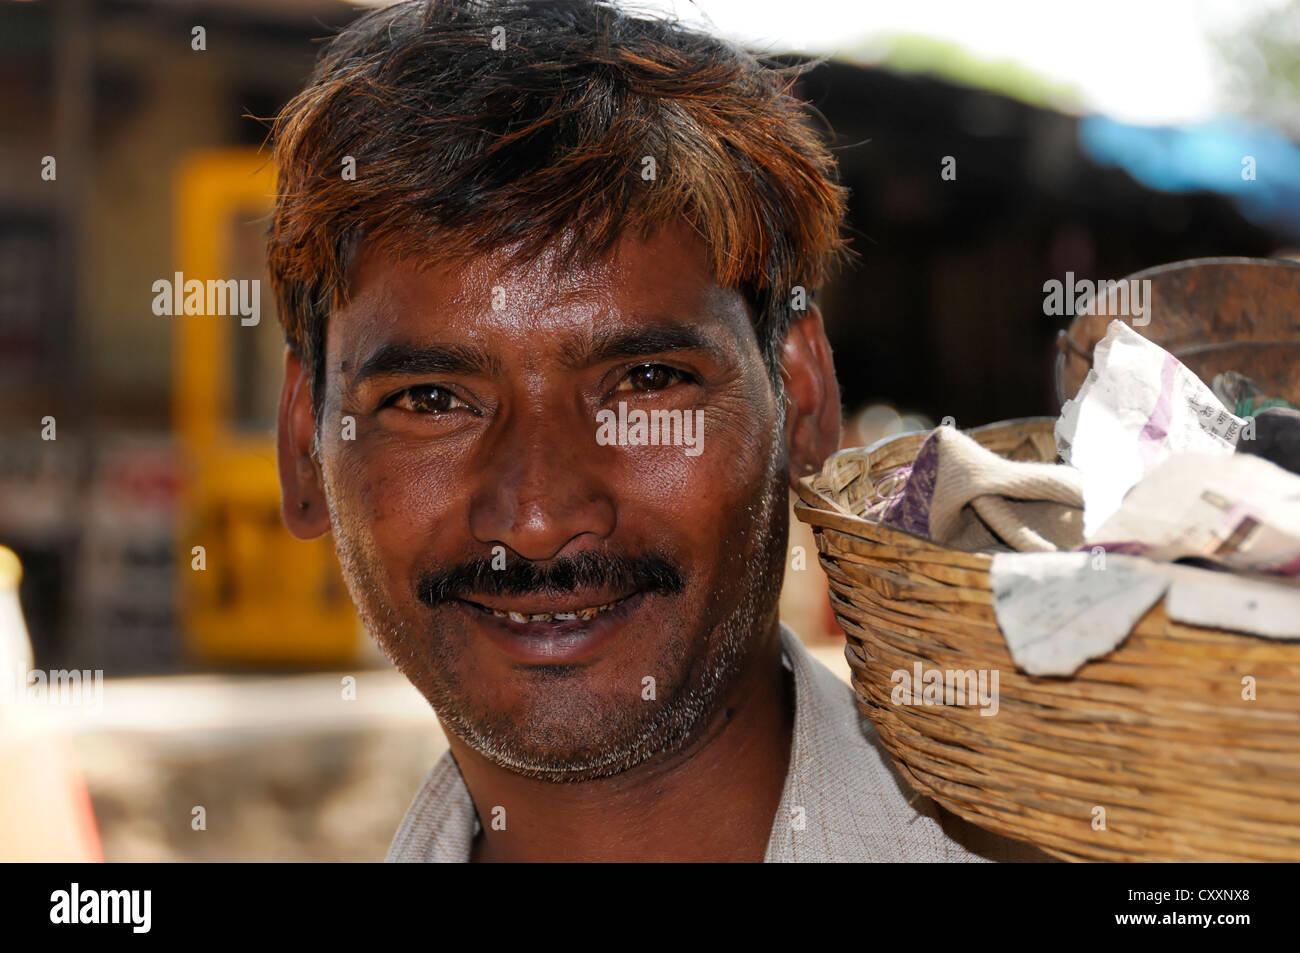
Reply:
x=1096, y=138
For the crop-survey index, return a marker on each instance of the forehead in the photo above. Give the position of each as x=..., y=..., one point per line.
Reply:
x=658, y=279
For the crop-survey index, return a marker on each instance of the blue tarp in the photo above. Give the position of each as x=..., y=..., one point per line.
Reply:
x=1206, y=157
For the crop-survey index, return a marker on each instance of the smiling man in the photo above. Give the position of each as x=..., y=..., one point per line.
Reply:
x=500, y=223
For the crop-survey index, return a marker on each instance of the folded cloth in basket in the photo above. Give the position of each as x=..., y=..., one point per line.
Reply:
x=960, y=494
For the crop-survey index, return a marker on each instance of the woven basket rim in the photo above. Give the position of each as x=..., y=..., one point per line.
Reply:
x=816, y=501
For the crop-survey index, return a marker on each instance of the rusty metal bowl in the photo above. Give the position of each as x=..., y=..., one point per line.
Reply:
x=1214, y=315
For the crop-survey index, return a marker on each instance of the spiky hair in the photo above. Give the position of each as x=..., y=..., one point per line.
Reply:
x=478, y=125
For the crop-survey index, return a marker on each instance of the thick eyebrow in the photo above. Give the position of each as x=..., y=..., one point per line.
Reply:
x=405, y=359
x=617, y=344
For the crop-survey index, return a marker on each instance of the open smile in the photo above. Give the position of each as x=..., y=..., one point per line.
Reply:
x=566, y=630
x=583, y=614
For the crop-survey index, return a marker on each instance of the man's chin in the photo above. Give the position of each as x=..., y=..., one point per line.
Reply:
x=633, y=687
x=566, y=732
x=580, y=723
x=560, y=768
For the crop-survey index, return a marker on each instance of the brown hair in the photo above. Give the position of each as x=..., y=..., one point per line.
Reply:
x=481, y=124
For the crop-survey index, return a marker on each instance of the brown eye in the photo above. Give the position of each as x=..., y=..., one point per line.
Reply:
x=650, y=377
x=427, y=399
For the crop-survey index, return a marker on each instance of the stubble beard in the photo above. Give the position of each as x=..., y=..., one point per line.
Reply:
x=610, y=742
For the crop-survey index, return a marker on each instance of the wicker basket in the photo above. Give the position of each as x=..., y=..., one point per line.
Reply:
x=1156, y=732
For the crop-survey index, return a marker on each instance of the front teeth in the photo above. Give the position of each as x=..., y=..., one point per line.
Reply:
x=583, y=614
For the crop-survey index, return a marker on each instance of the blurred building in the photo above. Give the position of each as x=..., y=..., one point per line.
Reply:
x=105, y=104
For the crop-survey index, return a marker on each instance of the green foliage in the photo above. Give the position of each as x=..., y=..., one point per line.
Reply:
x=912, y=53
x=1262, y=62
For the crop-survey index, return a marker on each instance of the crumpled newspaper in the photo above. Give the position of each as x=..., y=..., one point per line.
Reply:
x=1161, y=482
x=1059, y=610
x=1239, y=512
x=1138, y=405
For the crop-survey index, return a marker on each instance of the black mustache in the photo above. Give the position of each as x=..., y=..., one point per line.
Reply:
x=653, y=572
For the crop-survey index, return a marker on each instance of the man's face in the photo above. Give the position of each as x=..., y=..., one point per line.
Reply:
x=475, y=495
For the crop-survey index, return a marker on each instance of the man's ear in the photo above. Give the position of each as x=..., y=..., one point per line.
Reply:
x=302, y=499
x=812, y=415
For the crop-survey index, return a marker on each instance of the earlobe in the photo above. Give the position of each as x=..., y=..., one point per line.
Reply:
x=812, y=427
x=302, y=500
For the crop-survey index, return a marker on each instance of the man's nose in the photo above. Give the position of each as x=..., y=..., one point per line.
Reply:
x=542, y=486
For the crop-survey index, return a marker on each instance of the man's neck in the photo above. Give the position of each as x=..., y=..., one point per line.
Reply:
x=713, y=799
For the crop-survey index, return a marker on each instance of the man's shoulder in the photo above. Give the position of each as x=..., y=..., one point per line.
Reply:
x=845, y=800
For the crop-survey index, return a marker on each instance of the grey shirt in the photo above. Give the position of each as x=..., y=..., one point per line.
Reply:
x=843, y=799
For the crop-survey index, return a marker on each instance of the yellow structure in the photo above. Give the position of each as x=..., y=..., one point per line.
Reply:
x=249, y=592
